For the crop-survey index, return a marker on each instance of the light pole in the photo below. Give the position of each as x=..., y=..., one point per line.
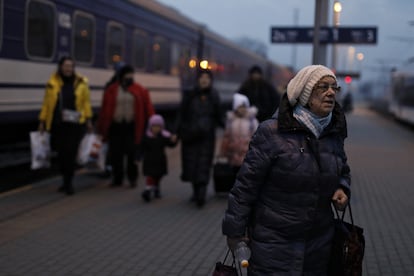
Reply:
x=337, y=7
x=321, y=19
x=351, y=58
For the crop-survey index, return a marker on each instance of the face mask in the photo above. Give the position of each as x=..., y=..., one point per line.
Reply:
x=127, y=82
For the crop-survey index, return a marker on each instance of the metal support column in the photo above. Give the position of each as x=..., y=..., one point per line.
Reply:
x=321, y=20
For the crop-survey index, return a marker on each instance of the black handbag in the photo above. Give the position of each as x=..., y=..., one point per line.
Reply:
x=348, y=247
x=222, y=269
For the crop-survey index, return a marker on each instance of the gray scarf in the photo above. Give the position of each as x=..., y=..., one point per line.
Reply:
x=314, y=123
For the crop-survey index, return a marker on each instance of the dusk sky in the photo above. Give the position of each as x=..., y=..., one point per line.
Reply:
x=253, y=18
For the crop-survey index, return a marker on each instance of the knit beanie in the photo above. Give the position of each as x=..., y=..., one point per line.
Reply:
x=300, y=87
x=239, y=100
x=255, y=69
x=126, y=69
x=156, y=120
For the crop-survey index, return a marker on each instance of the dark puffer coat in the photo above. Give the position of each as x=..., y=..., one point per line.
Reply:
x=282, y=195
x=200, y=113
x=155, y=158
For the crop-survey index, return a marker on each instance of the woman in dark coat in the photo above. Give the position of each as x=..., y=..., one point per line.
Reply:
x=198, y=117
x=295, y=168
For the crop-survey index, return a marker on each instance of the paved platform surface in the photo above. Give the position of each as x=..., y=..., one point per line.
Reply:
x=103, y=231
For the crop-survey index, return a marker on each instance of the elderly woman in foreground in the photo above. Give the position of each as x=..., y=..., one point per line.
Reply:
x=295, y=168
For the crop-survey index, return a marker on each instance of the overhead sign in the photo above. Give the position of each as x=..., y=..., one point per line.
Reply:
x=344, y=74
x=354, y=35
x=340, y=35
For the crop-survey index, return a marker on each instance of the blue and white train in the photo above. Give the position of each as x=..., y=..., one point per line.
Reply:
x=164, y=46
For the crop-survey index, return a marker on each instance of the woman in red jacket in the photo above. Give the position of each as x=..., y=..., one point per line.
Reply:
x=126, y=108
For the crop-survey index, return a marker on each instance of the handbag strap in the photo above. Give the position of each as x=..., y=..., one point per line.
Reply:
x=341, y=217
x=227, y=254
x=233, y=264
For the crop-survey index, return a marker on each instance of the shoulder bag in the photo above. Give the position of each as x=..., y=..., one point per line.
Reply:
x=348, y=247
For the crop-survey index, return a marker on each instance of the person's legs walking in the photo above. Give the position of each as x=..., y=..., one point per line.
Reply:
x=150, y=183
x=70, y=140
x=117, y=154
x=132, y=168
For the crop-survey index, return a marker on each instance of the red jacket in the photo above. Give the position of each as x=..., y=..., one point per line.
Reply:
x=143, y=109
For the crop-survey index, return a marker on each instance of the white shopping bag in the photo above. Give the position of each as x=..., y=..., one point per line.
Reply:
x=89, y=149
x=101, y=163
x=40, y=148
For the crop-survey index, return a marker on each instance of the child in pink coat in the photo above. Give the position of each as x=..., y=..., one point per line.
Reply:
x=241, y=123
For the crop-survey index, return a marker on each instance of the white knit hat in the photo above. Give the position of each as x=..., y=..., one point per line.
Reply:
x=239, y=100
x=300, y=87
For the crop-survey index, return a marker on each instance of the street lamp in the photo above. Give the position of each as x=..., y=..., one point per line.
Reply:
x=337, y=12
x=337, y=7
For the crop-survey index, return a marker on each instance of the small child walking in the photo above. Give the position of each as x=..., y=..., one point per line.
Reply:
x=156, y=139
x=241, y=124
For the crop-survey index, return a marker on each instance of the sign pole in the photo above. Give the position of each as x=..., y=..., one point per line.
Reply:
x=321, y=19
x=295, y=50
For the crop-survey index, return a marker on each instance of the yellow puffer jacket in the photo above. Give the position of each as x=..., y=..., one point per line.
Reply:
x=82, y=99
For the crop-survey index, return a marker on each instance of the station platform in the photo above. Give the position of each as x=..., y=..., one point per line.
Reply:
x=112, y=231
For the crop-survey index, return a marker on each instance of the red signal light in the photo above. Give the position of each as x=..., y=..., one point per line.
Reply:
x=348, y=79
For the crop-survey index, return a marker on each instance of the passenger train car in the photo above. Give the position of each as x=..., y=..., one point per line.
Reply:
x=164, y=46
x=402, y=93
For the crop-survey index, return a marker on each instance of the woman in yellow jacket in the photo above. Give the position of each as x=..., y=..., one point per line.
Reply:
x=66, y=110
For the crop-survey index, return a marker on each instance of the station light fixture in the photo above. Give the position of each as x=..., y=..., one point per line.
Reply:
x=337, y=6
x=348, y=79
x=204, y=64
x=192, y=63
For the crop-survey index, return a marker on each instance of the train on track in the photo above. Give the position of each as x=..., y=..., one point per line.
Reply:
x=401, y=104
x=165, y=47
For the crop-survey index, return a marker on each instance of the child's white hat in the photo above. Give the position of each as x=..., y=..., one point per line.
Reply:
x=239, y=100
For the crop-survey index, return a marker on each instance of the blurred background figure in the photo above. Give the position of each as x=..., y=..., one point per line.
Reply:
x=155, y=165
x=125, y=110
x=199, y=115
x=65, y=111
x=260, y=93
x=347, y=102
x=241, y=123
x=115, y=77
x=117, y=68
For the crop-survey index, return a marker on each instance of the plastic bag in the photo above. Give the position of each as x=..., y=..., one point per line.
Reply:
x=101, y=162
x=40, y=148
x=89, y=149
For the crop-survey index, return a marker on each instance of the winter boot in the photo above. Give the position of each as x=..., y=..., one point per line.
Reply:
x=146, y=195
x=201, y=195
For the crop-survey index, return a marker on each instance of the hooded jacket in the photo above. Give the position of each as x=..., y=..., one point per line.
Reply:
x=53, y=89
x=282, y=194
x=237, y=135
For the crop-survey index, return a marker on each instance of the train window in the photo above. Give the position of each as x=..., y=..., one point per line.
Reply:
x=83, y=37
x=176, y=55
x=161, y=54
x=41, y=20
x=115, y=42
x=1, y=23
x=140, y=49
